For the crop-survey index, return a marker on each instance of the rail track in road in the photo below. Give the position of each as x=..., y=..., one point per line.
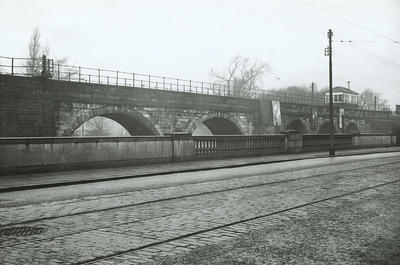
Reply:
x=234, y=223
x=181, y=197
x=200, y=231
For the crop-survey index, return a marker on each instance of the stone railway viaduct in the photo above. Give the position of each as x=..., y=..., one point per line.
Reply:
x=44, y=107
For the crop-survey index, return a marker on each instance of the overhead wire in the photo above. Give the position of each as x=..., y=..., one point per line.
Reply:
x=351, y=22
x=364, y=41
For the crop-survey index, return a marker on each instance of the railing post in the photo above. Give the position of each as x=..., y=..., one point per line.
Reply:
x=116, y=81
x=177, y=84
x=190, y=86
x=133, y=79
x=163, y=83
x=58, y=71
x=12, y=66
x=44, y=68
x=202, y=88
x=108, y=80
x=89, y=79
x=149, y=81
x=125, y=81
x=98, y=76
x=52, y=68
x=79, y=78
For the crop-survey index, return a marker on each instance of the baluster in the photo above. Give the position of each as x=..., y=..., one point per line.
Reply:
x=12, y=66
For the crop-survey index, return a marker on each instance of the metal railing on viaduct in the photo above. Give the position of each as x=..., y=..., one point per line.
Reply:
x=52, y=69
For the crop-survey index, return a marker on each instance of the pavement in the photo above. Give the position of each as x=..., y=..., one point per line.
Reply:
x=10, y=183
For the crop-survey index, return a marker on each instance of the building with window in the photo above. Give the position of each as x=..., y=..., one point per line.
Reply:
x=342, y=95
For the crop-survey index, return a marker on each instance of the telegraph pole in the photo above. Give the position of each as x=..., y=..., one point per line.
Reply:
x=312, y=93
x=328, y=52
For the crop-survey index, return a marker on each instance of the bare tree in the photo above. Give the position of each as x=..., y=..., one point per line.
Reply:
x=96, y=127
x=35, y=50
x=242, y=77
x=370, y=100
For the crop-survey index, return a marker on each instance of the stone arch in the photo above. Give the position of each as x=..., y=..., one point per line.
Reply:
x=219, y=124
x=298, y=125
x=324, y=128
x=132, y=120
x=352, y=128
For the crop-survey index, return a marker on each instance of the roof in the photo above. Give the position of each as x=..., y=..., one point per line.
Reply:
x=344, y=90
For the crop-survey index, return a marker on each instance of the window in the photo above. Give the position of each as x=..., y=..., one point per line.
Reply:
x=354, y=99
x=335, y=98
x=341, y=100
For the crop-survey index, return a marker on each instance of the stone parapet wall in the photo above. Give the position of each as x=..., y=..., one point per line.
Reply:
x=40, y=154
x=66, y=153
x=372, y=140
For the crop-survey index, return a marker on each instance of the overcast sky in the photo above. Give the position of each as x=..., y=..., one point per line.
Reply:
x=185, y=39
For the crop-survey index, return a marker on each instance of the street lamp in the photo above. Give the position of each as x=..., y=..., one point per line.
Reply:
x=328, y=52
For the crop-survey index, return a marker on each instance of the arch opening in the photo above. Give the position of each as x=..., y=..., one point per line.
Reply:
x=352, y=128
x=115, y=124
x=219, y=126
x=324, y=129
x=202, y=130
x=100, y=126
x=297, y=125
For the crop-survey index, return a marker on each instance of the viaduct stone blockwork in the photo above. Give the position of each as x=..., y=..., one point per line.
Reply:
x=43, y=107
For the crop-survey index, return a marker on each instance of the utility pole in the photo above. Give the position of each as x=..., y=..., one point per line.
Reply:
x=328, y=52
x=313, y=111
x=312, y=93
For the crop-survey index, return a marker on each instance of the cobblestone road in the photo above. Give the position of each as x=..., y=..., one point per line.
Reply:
x=143, y=226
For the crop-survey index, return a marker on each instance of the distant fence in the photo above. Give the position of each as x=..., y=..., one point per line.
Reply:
x=39, y=154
